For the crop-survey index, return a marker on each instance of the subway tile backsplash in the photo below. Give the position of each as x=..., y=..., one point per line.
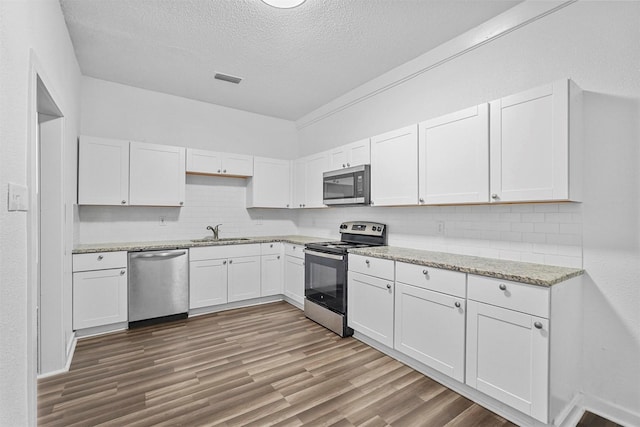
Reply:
x=540, y=233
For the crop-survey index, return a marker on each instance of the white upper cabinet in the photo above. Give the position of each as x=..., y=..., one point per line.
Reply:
x=213, y=163
x=453, y=157
x=534, y=151
x=157, y=174
x=270, y=185
x=394, y=167
x=103, y=171
x=354, y=154
x=307, y=180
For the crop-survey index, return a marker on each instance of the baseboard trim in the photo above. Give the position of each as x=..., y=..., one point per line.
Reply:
x=572, y=414
x=232, y=305
x=611, y=411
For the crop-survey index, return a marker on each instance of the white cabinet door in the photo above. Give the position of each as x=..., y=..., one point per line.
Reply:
x=204, y=162
x=315, y=166
x=237, y=164
x=394, y=167
x=99, y=298
x=353, y=154
x=440, y=347
x=508, y=357
x=244, y=278
x=157, y=175
x=370, y=307
x=270, y=185
x=298, y=183
x=207, y=283
x=530, y=145
x=454, y=157
x=272, y=279
x=294, y=279
x=103, y=171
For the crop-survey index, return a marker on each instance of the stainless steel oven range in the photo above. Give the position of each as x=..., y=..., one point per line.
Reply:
x=325, y=273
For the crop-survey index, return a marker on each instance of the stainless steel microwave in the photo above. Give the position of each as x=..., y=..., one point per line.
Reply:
x=349, y=186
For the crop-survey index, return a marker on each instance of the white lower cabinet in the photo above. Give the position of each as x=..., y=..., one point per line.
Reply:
x=508, y=357
x=99, y=289
x=207, y=283
x=370, y=306
x=429, y=327
x=294, y=273
x=243, y=281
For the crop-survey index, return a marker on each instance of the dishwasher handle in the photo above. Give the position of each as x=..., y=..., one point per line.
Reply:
x=159, y=255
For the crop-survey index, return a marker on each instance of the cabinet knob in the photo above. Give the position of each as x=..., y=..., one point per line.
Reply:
x=100, y=257
x=122, y=272
x=366, y=261
x=303, y=205
x=124, y=202
x=224, y=262
x=224, y=171
x=388, y=286
x=287, y=204
x=343, y=165
x=425, y=272
x=230, y=261
x=494, y=196
x=271, y=245
x=294, y=248
x=457, y=304
x=503, y=287
x=219, y=171
x=348, y=165
x=181, y=203
x=278, y=257
x=371, y=202
x=421, y=200
x=538, y=325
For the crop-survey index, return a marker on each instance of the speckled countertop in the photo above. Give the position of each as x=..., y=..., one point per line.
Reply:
x=182, y=244
x=524, y=272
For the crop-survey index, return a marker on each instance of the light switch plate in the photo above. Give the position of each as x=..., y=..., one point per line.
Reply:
x=18, y=197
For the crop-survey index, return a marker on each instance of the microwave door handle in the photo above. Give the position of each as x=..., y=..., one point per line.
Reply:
x=324, y=255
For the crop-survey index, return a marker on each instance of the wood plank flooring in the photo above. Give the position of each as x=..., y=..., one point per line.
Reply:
x=256, y=366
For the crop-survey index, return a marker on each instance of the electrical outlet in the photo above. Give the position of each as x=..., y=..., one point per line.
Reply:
x=440, y=227
x=163, y=221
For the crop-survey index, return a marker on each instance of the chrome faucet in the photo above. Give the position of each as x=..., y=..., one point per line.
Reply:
x=215, y=230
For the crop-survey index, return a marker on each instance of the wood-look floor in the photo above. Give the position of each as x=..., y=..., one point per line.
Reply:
x=263, y=365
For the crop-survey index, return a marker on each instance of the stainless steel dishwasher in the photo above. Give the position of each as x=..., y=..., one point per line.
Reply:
x=158, y=286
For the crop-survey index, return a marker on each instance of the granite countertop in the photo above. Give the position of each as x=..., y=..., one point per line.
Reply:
x=182, y=244
x=524, y=272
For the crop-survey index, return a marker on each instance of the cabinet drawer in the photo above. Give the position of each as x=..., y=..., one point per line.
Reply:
x=99, y=261
x=521, y=297
x=296, y=251
x=272, y=248
x=223, y=251
x=435, y=279
x=377, y=267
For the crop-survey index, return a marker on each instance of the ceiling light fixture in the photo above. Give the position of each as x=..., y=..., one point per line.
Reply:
x=284, y=4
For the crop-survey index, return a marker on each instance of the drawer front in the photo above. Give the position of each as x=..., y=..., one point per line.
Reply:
x=223, y=251
x=521, y=297
x=99, y=261
x=434, y=279
x=273, y=248
x=371, y=266
x=296, y=251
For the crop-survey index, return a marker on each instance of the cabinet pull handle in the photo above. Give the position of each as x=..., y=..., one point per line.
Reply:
x=388, y=286
x=538, y=325
x=425, y=272
x=122, y=272
x=124, y=202
x=503, y=287
x=494, y=196
x=457, y=304
x=100, y=257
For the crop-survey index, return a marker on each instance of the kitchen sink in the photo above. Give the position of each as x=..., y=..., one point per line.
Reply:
x=227, y=239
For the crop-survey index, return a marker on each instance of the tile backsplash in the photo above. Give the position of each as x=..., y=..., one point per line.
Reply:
x=209, y=201
x=540, y=233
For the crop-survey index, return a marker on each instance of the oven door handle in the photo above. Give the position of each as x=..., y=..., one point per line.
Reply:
x=324, y=255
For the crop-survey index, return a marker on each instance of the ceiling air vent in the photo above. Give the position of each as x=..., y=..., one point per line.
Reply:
x=228, y=78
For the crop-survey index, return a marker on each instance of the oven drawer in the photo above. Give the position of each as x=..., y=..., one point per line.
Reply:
x=434, y=279
x=377, y=267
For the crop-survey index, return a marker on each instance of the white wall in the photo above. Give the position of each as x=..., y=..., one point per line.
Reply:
x=113, y=110
x=26, y=25
x=596, y=44
x=116, y=111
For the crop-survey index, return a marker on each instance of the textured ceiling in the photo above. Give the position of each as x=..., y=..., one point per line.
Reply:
x=292, y=61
